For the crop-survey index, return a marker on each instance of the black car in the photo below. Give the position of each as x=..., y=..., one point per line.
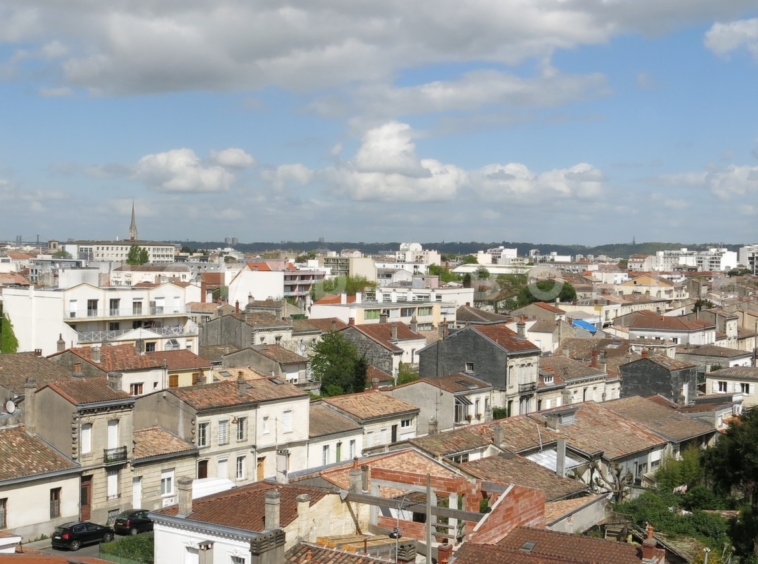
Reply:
x=75, y=535
x=132, y=522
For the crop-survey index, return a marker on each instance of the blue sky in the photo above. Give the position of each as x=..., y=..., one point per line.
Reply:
x=571, y=121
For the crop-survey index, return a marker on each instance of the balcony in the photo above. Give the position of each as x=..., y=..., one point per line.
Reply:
x=528, y=387
x=126, y=312
x=188, y=330
x=114, y=455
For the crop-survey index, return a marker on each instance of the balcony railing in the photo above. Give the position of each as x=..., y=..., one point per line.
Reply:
x=528, y=387
x=114, y=455
x=190, y=329
x=130, y=312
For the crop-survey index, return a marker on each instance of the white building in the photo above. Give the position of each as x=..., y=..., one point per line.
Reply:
x=415, y=253
x=118, y=251
x=128, y=275
x=747, y=257
x=271, y=281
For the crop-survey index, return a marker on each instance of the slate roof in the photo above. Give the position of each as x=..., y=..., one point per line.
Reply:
x=711, y=350
x=22, y=455
x=156, y=441
x=225, y=394
x=115, y=358
x=15, y=368
x=574, y=548
x=82, y=391
x=741, y=372
x=454, y=383
x=279, y=354
x=325, y=421
x=474, y=315
x=503, y=337
x=179, y=360
x=213, y=353
x=663, y=421
x=597, y=428
x=371, y=404
x=305, y=553
x=568, y=368
x=244, y=507
x=509, y=468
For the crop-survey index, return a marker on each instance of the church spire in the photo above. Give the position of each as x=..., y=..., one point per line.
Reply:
x=133, y=226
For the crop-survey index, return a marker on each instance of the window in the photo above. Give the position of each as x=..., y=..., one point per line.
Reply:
x=114, y=326
x=241, y=467
x=265, y=425
x=371, y=314
x=424, y=311
x=369, y=439
x=202, y=469
x=150, y=347
x=4, y=513
x=241, y=428
x=745, y=388
x=195, y=378
x=167, y=482
x=287, y=421
x=278, y=339
x=222, y=470
x=352, y=449
x=55, y=503
x=112, y=484
x=173, y=380
x=469, y=367
x=325, y=455
x=460, y=458
x=202, y=433
x=722, y=386
x=238, y=560
x=406, y=422
x=87, y=438
x=223, y=432
x=407, y=311
x=136, y=389
x=113, y=438
x=338, y=453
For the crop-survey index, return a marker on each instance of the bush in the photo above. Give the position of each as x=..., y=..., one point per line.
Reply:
x=140, y=548
x=701, y=497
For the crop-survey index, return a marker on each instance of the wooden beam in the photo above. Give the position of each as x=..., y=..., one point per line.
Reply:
x=414, y=507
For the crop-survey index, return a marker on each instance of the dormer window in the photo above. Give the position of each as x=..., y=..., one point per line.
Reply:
x=469, y=367
x=547, y=378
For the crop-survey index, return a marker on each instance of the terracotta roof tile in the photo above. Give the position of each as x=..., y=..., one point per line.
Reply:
x=279, y=354
x=550, y=308
x=382, y=334
x=334, y=299
x=115, y=358
x=326, y=421
x=179, y=360
x=371, y=404
x=303, y=553
x=508, y=468
x=454, y=383
x=711, y=350
x=574, y=547
x=81, y=391
x=13, y=279
x=742, y=372
x=156, y=441
x=22, y=455
x=567, y=368
x=374, y=373
x=654, y=321
x=325, y=324
x=245, y=507
x=667, y=362
x=213, y=353
x=659, y=419
x=504, y=337
x=226, y=394
x=15, y=368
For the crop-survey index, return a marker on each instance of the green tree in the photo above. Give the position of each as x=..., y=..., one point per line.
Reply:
x=482, y=273
x=623, y=264
x=467, y=280
x=360, y=374
x=526, y=297
x=334, y=364
x=137, y=256
x=701, y=304
x=186, y=249
x=469, y=259
x=61, y=254
x=445, y=274
x=405, y=375
x=686, y=471
x=8, y=341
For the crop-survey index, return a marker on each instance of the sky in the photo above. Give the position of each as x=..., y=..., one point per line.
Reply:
x=548, y=121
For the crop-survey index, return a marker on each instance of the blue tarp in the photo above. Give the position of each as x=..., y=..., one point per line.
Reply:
x=584, y=325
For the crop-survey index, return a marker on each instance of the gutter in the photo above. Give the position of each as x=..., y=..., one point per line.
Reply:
x=217, y=530
x=167, y=456
x=109, y=403
x=55, y=474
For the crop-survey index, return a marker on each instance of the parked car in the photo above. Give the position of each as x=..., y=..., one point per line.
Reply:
x=75, y=535
x=132, y=522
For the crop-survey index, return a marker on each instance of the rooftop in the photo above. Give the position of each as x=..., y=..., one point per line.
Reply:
x=226, y=394
x=741, y=372
x=114, y=358
x=306, y=553
x=182, y=359
x=568, y=368
x=22, y=455
x=667, y=362
x=503, y=337
x=279, y=354
x=325, y=421
x=474, y=315
x=371, y=404
x=327, y=324
x=663, y=421
x=382, y=334
x=654, y=321
x=455, y=383
x=15, y=368
x=712, y=350
x=82, y=391
x=156, y=441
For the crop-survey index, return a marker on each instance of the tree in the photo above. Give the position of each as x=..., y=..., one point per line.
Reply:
x=405, y=375
x=482, y=273
x=701, y=304
x=526, y=296
x=467, y=280
x=62, y=254
x=186, y=249
x=623, y=264
x=8, y=341
x=137, y=256
x=469, y=259
x=334, y=364
x=360, y=374
x=445, y=274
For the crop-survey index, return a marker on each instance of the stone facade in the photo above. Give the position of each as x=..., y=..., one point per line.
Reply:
x=376, y=354
x=645, y=377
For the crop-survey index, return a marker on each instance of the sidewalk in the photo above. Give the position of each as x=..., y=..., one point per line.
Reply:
x=37, y=545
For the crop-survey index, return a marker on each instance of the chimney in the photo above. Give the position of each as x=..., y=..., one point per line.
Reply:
x=115, y=380
x=358, y=297
x=250, y=299
x=497, y=435
x=393, y=332
x=30, y=405
x=334, y=324
x=241, y=384
x=282, y=462
x=645, y=353
x=343, y=298
x=61, y=343
x=303, y=504
x=271, y=519
x=375, y=383
x=356, y=480
x=365, y=472
x=560, y=458
x=383, y=317
x=594, y=363
x=433, y=427
x=184, y=488
x=521, y=328
x=414, y=324
x=237, y=307
x=649, y=546
x=203, y=292
x=406, y=553
x=96, y=354
x=468, y=304
x=37, y=352
x=444, y=551
x=351, y=321
x=140, y=346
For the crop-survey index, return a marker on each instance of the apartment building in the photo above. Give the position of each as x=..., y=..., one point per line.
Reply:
x=118, y=251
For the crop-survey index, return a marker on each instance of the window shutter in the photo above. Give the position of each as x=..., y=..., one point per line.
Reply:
x=715, y=386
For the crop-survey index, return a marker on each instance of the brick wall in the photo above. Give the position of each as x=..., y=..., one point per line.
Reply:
x=518, y=508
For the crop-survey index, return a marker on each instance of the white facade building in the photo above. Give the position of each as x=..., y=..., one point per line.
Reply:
x=118, y=251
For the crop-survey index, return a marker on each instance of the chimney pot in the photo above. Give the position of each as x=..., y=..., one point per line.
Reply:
x=184, y=488
x=375, y=383
x=95, y=354
x=351, y=321
x=356, y=480
x=241, y=384
x=560, y=464
x=393, y=332
x=237, y=306
x=334, y=324
x=365, y=471
x=649, y=546
x=61, y=344
x=273, y=501
x=444, y=551
x=521, y=328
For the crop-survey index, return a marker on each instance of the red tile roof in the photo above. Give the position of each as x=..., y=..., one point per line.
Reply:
x=334, y=299
x=245, y=507
x=550, y=308
x=454, y=383
x=226, y=394
x=179, y=360
x=325, y=324
x=81, y=391
x=655, y=321
x=504, y=337
x=371, y=404
x=156, y=441
x=15, y=368
x=303, y=553
x=115, y=358
x=326, y=421
x=22, y=455
x=279, y=354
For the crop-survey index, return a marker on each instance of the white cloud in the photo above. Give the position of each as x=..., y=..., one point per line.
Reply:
x=723, y=38
x=181, y=171
x=723, y=182
x=389, y=148
x=56, y=92
x=232, y=158
x=158, y=45
x=287, y=174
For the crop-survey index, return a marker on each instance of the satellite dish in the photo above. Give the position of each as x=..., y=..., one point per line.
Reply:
x=10, y=407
